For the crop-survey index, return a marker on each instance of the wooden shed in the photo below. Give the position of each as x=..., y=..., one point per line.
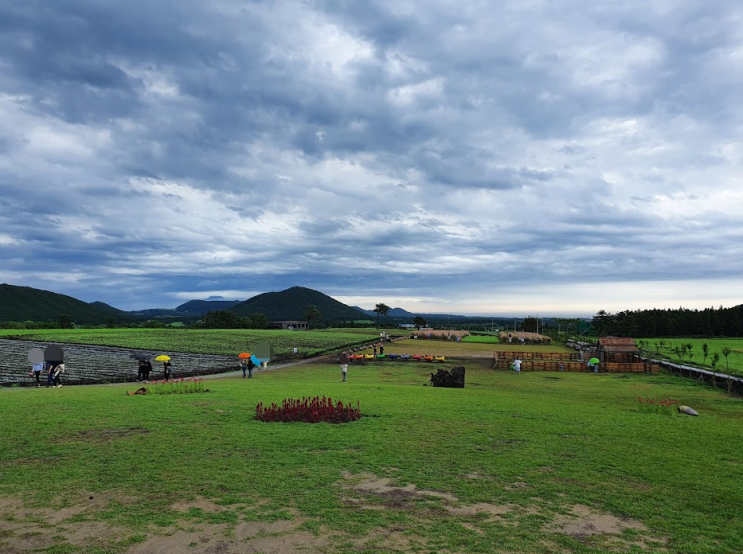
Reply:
x=618, y=349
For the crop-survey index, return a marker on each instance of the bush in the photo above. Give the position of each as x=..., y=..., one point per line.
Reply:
x=308, y=410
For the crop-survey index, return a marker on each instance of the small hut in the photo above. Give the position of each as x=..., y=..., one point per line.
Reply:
x=618, y=349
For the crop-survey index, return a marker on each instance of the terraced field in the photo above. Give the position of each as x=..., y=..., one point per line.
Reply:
x=86, y=364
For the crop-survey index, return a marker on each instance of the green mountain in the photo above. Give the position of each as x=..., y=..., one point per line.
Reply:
x=200, y=307
x=289, y=304
x=27, y=303
x=108, y=309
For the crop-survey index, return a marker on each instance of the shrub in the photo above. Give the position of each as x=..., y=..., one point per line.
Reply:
x=308, y=410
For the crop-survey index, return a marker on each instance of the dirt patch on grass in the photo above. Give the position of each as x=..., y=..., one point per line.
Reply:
x=395, y=497
x=606, y=529
x=589, y=522
x=29, y=529
x=26, y=529
x=202, y=504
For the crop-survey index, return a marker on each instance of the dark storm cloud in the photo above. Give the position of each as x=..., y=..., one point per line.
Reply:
x=182, y=146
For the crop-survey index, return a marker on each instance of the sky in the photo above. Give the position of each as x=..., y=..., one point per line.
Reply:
x=524, y=157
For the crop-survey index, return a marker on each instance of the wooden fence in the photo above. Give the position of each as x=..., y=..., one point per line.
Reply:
x=608, y=367
x=537, y=355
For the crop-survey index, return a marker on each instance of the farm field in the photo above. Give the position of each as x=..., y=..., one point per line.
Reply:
x=452, y=348
x=734, y=361
x=228, y=342
x=528, y=463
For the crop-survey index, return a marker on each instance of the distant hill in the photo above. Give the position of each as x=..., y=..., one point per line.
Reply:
x=399, y=313
x=108, y=309
x=27, y=303
x=200, y=307
x=193, y=309
x=156, y=313
x=289, y=304
x=394, y=312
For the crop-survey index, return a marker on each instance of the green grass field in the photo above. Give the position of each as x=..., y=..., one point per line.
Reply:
x=733, y=365
x=452, y=348
x=488, y=339
x=535, y=462
x=208, y=341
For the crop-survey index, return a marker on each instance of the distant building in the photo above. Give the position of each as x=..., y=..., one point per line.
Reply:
x=291, y=325
x=406, y=325
x=617, y=349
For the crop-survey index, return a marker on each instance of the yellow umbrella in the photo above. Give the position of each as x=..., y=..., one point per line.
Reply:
x=162, y=358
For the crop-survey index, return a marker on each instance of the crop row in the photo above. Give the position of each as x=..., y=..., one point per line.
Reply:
x=227, y=342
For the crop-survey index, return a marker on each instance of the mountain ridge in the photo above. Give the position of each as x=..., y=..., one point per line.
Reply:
x=289, y=305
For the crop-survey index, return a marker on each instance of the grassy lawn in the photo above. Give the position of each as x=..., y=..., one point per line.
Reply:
x=513, y=463
x=733, y=365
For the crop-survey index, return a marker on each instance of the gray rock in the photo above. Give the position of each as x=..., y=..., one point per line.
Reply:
x=686, y=410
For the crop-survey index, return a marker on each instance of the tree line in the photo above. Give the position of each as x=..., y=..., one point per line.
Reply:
x=681, y=322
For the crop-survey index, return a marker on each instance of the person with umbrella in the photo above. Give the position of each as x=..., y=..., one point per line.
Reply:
x=593, y=363
x=252, y=363
x=145, y=366
x=167, y=368
x=243, y=364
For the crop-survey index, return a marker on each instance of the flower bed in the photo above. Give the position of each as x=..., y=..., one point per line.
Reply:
x=177, y=386
x=308, y=410
x=657, y=406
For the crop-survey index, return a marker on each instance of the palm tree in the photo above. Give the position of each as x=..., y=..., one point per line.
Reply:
x=311, y=313
x=381, y=309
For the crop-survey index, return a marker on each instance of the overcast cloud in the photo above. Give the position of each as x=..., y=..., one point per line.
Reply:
x=463, y=156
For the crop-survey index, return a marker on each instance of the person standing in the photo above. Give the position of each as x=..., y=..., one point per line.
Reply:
x=146, y=368
x=36, y=370
x=49, y=367
x=517, y=365
x=381, y=348
x=167, y=370
x=244, y=367
x=58, y=371
x=343, y=360
x=251, y=367
x=140, y=371
x=375, y=350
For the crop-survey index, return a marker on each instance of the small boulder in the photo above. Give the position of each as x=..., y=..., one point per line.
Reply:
x=686, y=410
